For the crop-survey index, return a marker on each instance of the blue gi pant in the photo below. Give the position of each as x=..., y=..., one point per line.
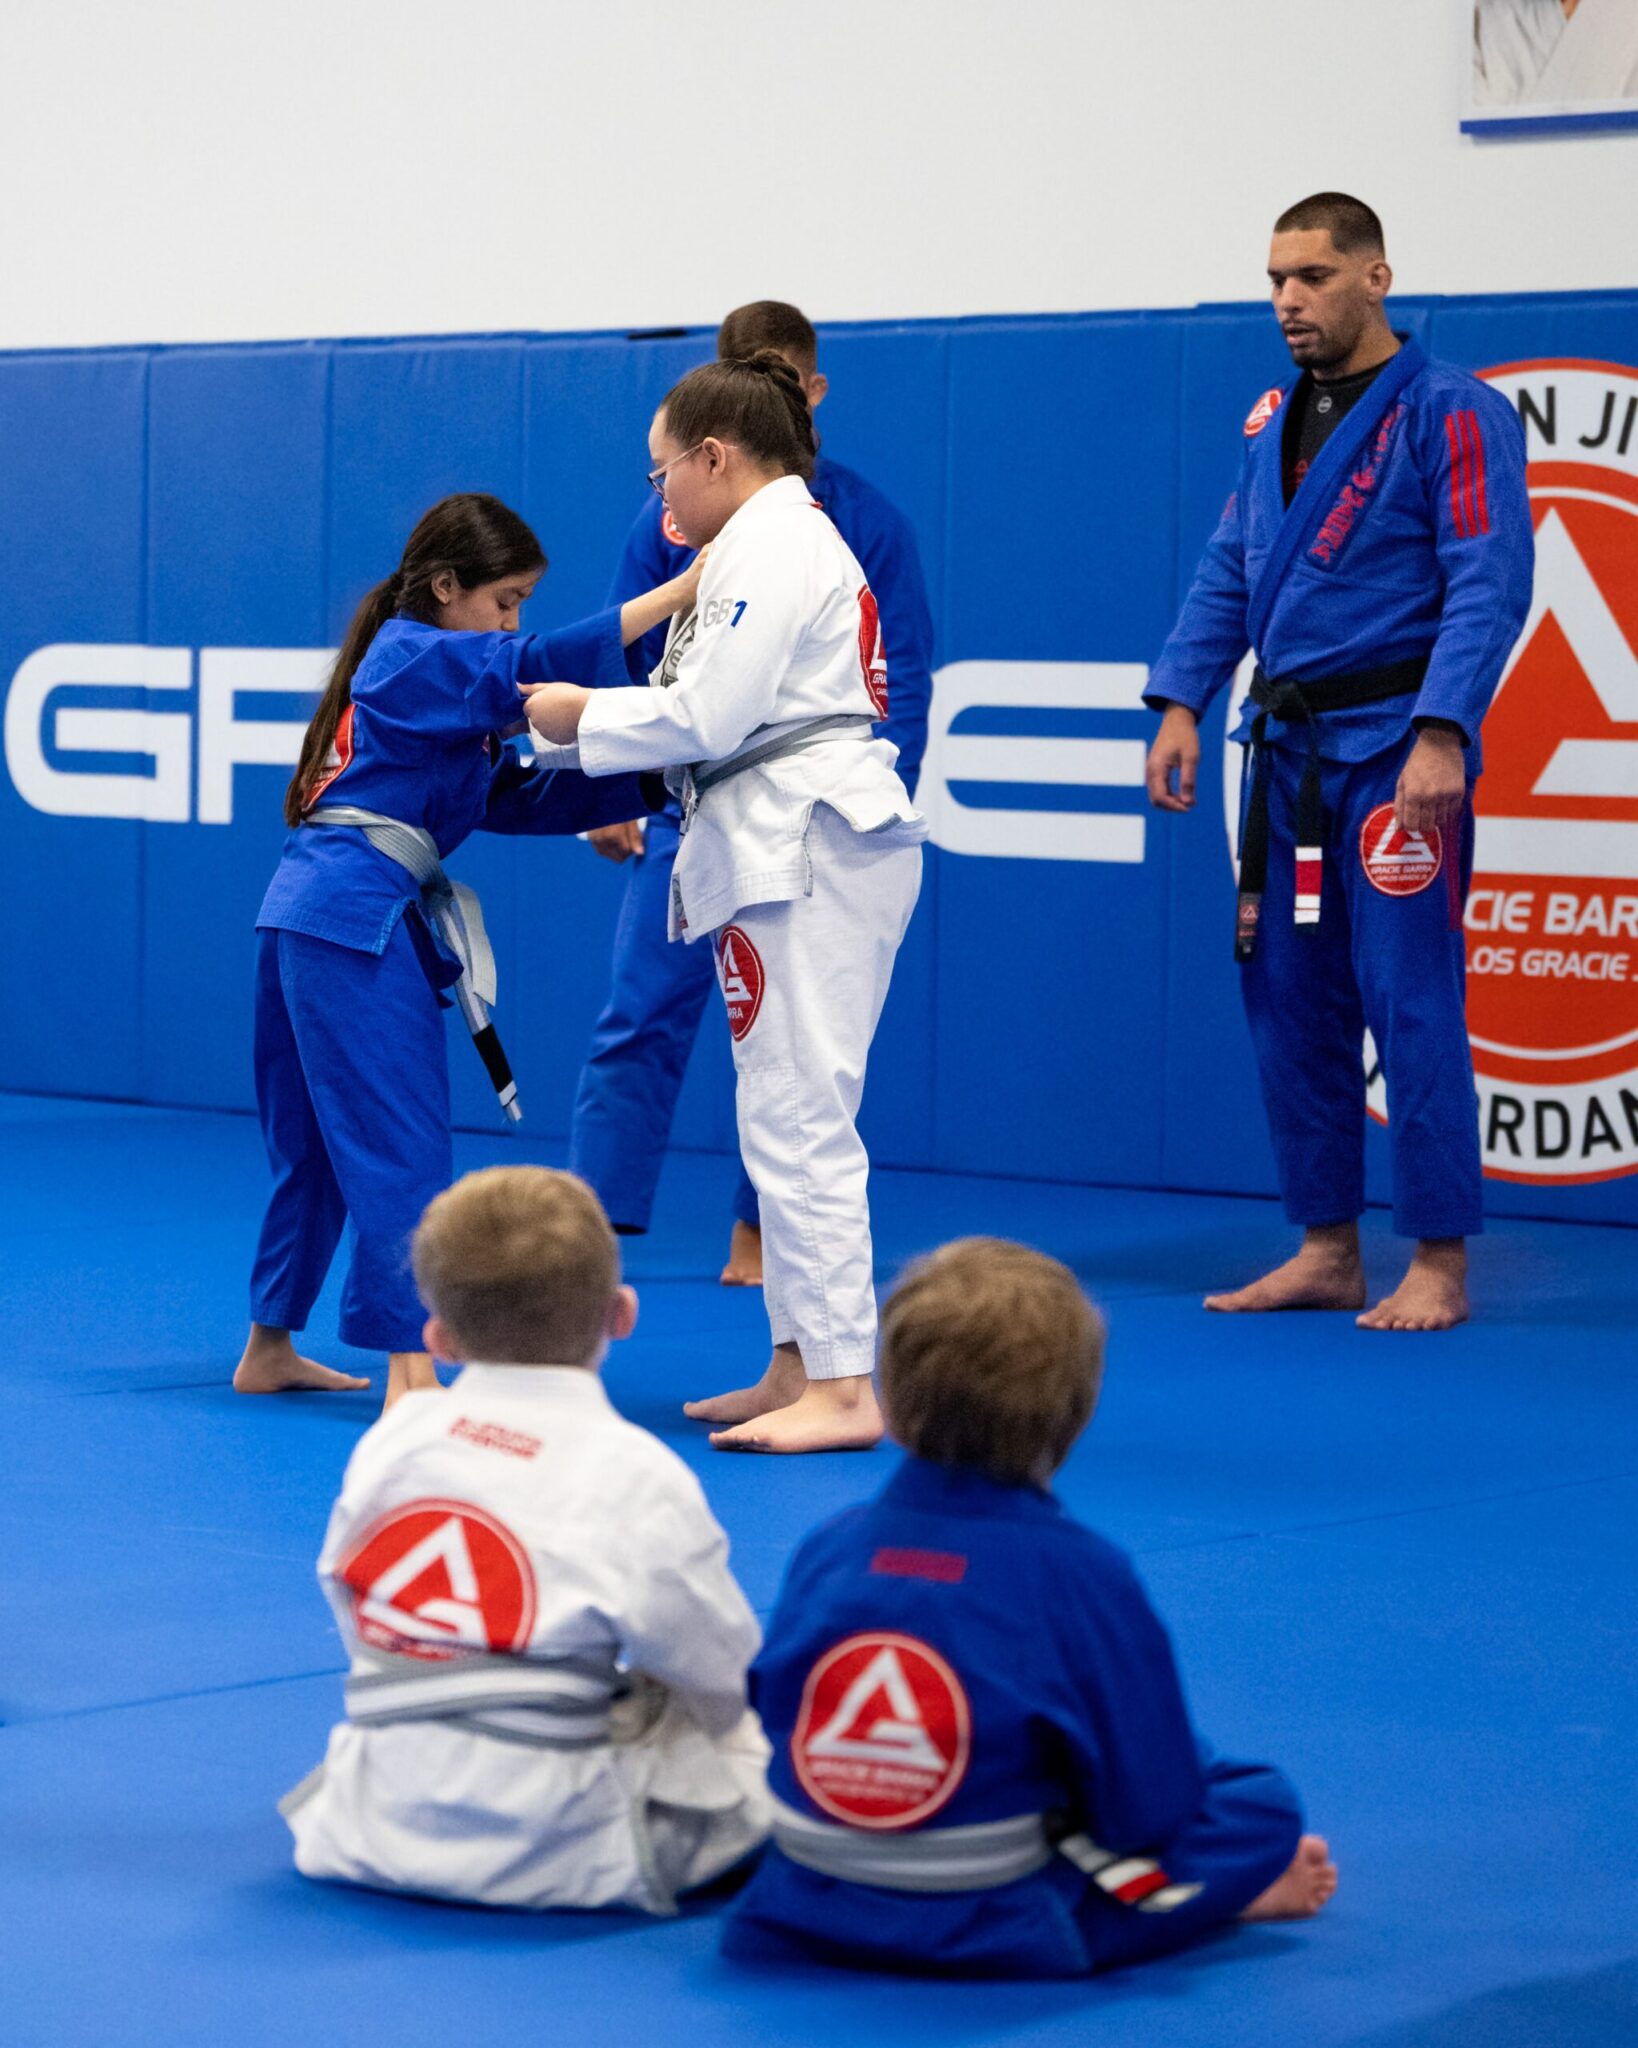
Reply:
x=1058, y=1923
x=352, y=1084
x=1394, y=963
x=639, y=1051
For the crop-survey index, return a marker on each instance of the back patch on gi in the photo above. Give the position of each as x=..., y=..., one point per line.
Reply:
x=739, y=969
x=884, y=1732
x=436, y=1578
x=1397, y=862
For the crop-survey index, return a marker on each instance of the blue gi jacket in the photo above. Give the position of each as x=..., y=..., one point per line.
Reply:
x=880, y=537
x=1074, y=1704
x=1410, y=535
x=420, y=743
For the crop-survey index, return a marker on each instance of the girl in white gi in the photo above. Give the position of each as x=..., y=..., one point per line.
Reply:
x=546, y=1700
x=800, y=860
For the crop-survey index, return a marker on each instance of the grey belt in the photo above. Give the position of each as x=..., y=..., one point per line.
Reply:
x=706, y=775
x=972, y=1858
x=455, y=914
x=556, y=1703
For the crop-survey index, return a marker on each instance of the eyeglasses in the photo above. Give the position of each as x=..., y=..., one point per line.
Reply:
x=656, y=477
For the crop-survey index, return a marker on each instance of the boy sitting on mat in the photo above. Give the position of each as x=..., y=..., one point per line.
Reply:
x=983, y=1762
x=546, y=1704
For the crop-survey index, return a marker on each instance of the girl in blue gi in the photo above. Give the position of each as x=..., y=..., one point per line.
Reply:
x=351, y=1077
x=982, y=1760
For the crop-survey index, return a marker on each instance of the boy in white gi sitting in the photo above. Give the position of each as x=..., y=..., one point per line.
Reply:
x=546, y=1705
x=983, y=1763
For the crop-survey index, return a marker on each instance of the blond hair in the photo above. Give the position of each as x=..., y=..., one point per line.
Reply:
x=991, y=1357
x=521, y=1265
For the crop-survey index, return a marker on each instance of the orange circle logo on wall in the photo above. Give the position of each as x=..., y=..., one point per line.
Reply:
x=884, y=1732
x=1552, y=918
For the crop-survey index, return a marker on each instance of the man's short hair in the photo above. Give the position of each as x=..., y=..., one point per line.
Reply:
x=1352, y=226
x=991, y=1357
x=520, y=1263
x=768, y=323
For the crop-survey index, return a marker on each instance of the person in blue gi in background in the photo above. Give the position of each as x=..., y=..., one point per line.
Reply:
x=640, y=1046
x=982, y=1762
x=404, y=758
x=1377, y=556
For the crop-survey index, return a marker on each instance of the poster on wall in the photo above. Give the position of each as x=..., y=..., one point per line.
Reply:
x=1550, y=64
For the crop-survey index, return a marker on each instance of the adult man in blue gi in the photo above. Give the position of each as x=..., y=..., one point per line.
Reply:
x=640, y=1046
x=1377, y=557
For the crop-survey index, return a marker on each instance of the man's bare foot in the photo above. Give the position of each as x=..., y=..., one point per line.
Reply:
x=778, y=1387
x=272, y=1365
x=1326, y=1273
x=410, y=1372
x=1309, y=1882
x=1433, y=1293
x=744, y=1267
x=828, y=1415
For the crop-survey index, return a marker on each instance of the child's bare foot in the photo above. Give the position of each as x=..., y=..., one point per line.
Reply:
x=272, y=1365
x=778, y=1387
x=1309, y=1882
x=1433, y=1293
x=828, y=1415
x=744, y=1267
x=1326, y=1273
x=410, y=1372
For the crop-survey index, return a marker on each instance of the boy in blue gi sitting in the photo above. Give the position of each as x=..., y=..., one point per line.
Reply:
x=981, y=1754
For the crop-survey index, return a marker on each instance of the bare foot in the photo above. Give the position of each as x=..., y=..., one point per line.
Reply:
x=1433, y=1293
x=778, y=1387
x=1326, y=1273
x=744, y=1267
x=410, y=1372
x=1309, y=1882
x=828, y=1415
x=272, y=1365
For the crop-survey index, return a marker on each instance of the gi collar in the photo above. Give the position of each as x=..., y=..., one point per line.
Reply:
x=577, y=1386
x=784, y=491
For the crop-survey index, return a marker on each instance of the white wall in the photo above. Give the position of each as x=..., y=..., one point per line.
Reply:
x=183, y=170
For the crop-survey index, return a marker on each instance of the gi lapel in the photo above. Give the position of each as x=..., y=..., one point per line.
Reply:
x=1331, y=465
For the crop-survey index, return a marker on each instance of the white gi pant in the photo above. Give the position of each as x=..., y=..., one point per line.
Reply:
x=420, y=1806
x=822, y=965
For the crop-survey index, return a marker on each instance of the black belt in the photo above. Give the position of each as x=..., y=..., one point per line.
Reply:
x=1290, y=702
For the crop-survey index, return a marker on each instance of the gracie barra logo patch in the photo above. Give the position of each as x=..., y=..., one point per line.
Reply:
x=671, y=530
x=739, y=968
x=872, y=654
x=1397, y=862
x=435, y=1578
x=884, y=1733
x=1263, y=411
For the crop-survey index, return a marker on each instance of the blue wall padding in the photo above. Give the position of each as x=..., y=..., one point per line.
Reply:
x=1073, y=1019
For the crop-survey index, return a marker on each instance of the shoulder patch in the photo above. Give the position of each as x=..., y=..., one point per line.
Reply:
x=671, y=530
x=1263, y=411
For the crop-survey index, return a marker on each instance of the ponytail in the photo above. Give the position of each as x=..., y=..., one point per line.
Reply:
x=476, y=538
x=755, y=401
x=377, y=608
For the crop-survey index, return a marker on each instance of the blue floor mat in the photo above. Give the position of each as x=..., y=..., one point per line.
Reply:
x=1401, y=1567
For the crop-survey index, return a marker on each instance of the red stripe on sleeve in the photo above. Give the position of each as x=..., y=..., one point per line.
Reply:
x=1470, y=421
x=1141, y=1887
x=1453, y=436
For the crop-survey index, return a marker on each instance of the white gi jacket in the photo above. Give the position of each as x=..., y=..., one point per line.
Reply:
x=546, y=1705
x=783, y=632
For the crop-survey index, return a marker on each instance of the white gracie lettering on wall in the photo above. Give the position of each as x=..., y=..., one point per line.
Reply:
x=35, y=729
x=1040, y=832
